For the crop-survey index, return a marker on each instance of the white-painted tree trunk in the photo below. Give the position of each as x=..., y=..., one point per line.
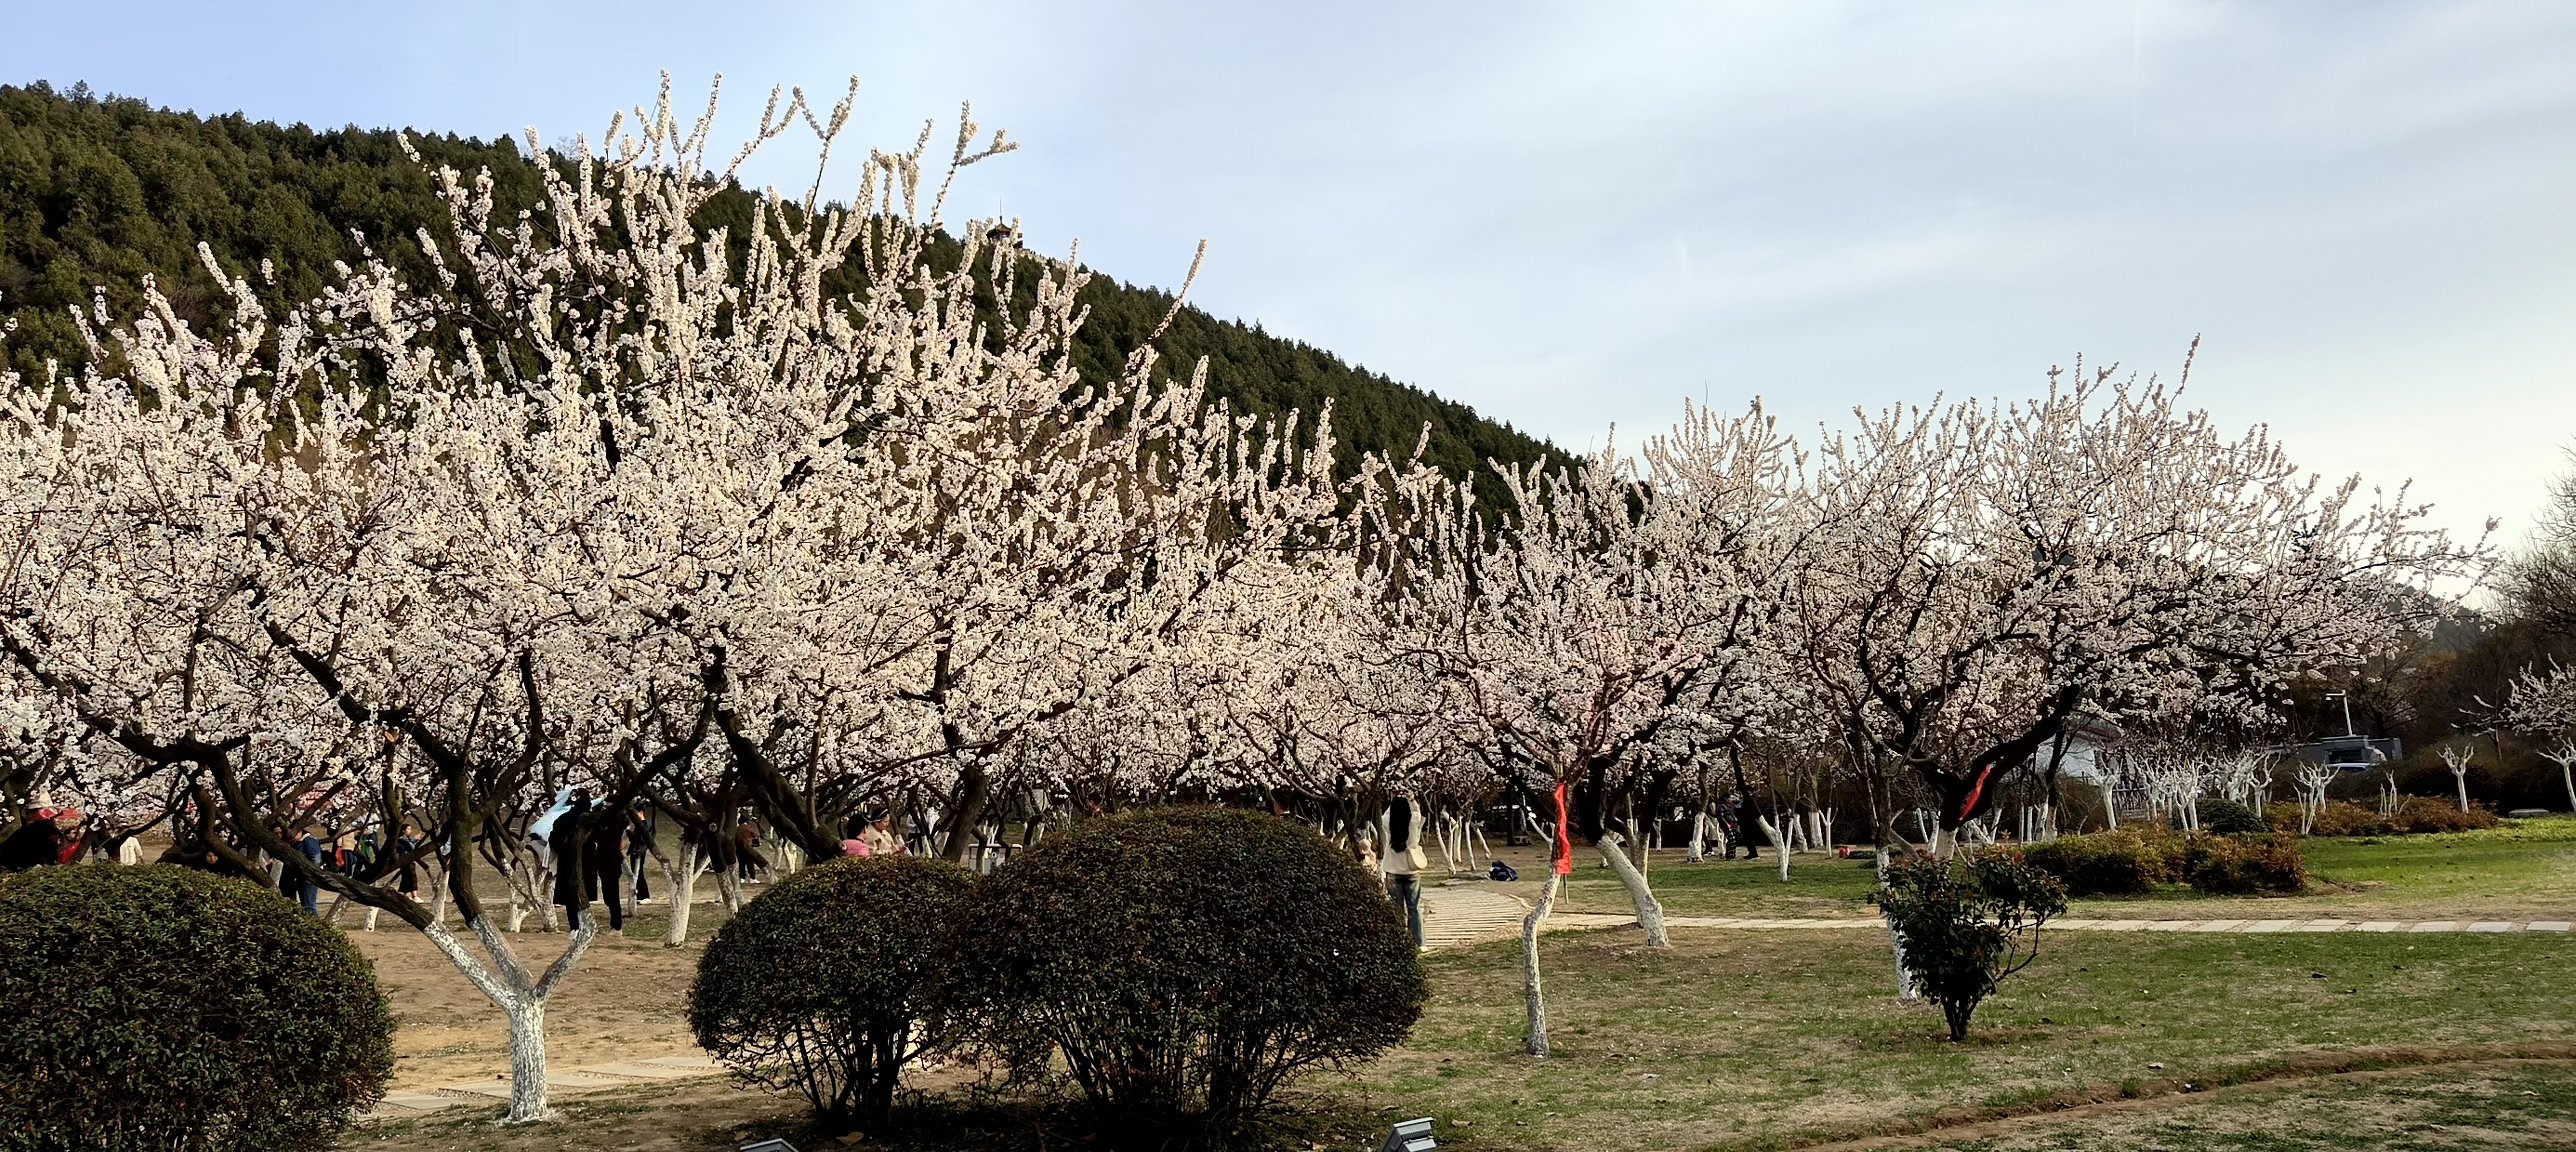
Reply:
x=1533, y=994
x=729, y=890
x=522, y=1000
x=1650, y=911
x=684, y=896
x=1779, y=843
x=1905, y=990
x=1699, y=836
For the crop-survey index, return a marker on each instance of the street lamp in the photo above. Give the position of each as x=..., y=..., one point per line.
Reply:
x=2346, y=697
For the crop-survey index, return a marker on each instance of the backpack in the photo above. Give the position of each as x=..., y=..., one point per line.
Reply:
x=1501, y=871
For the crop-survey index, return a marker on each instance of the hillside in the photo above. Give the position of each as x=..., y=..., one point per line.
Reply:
x=97, y=193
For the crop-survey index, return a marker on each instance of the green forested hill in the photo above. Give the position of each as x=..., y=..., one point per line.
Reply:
x=97, y=193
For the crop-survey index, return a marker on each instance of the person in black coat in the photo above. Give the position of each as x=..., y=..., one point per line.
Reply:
x=568, y=862
x=603, y=852
x=36, y=843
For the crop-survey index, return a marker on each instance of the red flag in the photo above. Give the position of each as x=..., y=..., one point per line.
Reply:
x=1564, y=835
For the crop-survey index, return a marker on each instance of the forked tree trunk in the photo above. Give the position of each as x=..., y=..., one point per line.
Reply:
x=1779, y=843
x=2460, y=776
x=522, y=999
x=1533, y=995
x=1650, y=911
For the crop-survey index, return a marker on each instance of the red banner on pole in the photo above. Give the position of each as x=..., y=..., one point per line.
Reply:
x=1564, y=835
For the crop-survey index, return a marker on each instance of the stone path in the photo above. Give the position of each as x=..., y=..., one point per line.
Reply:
x=1464, y=913
x=694, y=1066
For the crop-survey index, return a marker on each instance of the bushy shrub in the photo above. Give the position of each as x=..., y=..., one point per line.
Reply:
x=2237, y=865
x=2226, y=817
x=2340, y=818
x=1967, y=923
x=1182, y=963
x=2421, y=814
x=827, y=984
x=2416, y=815
x=2123, y=862
x=158, y=1008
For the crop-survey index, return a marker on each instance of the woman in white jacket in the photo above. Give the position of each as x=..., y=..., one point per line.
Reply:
x=1403, y=862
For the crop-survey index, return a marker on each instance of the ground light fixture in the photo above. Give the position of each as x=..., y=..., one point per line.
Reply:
x=770, y=1145
x=1408, y=1136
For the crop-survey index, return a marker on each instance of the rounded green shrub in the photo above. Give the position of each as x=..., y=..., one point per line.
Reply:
x=828, y=984
x=159, y=1008
x=2125, y=862
x=1180, y=964
x=2237, y=865
x=2226, y=817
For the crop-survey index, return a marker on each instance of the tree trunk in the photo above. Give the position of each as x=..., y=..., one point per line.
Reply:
x=2567, y=776
x=527, y=1060
x=1905, y=990
x=1779, y=843
x=2461, y=777
x=1532, y=994
x=683, y=893
x=1650, y=911
x=522, y=1000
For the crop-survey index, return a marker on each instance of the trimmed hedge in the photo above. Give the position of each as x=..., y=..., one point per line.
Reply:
x=826, y=983
x=158, y=1008
x=2239, y=865
x=2134, y=860
x=1181, y=964
x=2416, y=815
x=2125, y=862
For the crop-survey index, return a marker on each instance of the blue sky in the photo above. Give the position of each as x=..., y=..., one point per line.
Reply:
x=1576, y=215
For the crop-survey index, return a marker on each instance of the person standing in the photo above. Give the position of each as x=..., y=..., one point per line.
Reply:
x=747, y=858
x=639, y=844
x=308, y=843
x=38, y=842
x=561, y=844
x=407, y=881
x=1403, y=861
x=603, y=855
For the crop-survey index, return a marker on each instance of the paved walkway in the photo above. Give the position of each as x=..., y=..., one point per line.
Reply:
x=1465, y=913
x=692, y=1066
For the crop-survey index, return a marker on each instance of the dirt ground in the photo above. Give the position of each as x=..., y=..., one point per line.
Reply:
x=626, y=1000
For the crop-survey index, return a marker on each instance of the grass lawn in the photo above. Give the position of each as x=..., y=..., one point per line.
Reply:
x=2525, y=869
x=1749, y=1040
x=1765, y=1039
x=2507, y=1105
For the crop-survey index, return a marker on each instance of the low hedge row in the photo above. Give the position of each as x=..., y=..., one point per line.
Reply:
x=2136, y=860
x=2415, y=815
